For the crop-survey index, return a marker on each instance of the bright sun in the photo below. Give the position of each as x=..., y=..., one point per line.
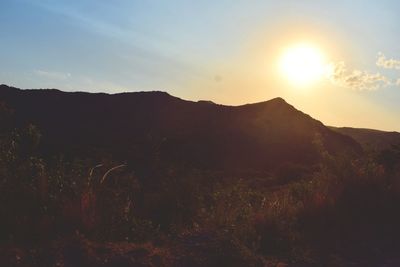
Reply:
x=302, y=64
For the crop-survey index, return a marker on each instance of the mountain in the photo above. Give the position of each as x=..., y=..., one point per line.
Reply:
x=147, y=127
x=371, y=139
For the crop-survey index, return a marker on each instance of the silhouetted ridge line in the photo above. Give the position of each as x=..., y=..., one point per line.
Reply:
x=140, y=126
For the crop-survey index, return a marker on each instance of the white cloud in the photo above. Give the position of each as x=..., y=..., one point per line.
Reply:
x=383, y=62
x=356, y=79
x=54, y=75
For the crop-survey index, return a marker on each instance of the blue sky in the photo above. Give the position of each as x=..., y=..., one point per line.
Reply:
x=225, y=51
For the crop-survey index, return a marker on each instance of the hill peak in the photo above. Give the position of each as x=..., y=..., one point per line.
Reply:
x=278, y=100
x=277, y=103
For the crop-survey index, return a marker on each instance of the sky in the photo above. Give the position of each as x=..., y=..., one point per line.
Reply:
x=224, y=51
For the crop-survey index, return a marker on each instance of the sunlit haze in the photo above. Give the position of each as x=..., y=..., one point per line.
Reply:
x=238, y=133
x=338, y=61
x=302, y=64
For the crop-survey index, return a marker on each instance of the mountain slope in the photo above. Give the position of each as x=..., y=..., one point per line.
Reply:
x=146, y=127
x=369, y=138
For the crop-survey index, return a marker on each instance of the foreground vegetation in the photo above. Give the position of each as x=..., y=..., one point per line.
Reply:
x=64, y=211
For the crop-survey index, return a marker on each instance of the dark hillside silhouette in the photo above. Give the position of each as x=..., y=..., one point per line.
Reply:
x=142, y=126
x=370, y=138
x=148, y=179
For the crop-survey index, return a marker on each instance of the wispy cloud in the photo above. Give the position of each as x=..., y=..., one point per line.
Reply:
x=54, y=75
x=386, y=63
x=68, y=82
x=146, y=47
x=87, y=83
x=356, y=79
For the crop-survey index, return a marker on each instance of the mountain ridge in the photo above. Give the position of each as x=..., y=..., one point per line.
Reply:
x=371, y=138
x=260, y=136
x=153, y=92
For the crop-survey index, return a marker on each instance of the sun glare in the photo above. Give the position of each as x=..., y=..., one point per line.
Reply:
x=302, y=64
